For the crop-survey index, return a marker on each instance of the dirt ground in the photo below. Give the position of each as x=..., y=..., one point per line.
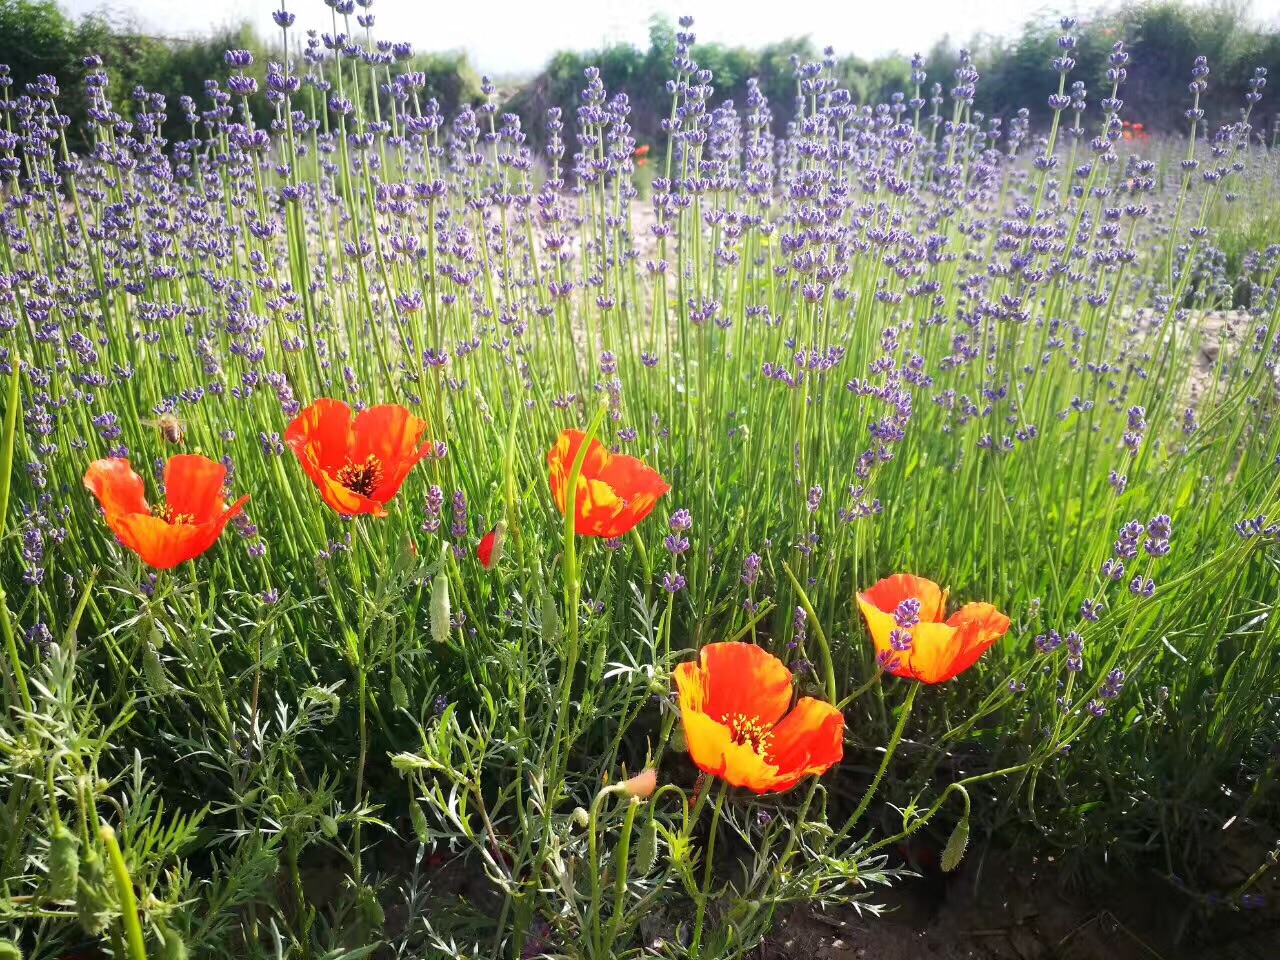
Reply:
x=1020, y=907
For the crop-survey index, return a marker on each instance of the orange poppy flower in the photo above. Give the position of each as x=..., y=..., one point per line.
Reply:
x=615, y=492
x=358, y=463
x=904, y=614
x=733, y=704
x=169, y=533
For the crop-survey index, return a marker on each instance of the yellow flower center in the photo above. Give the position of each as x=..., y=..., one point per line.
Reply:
x=749, y=730
x=165, y=513
x=362, y=478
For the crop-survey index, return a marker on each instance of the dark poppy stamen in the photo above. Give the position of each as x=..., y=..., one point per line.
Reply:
x=362, y=478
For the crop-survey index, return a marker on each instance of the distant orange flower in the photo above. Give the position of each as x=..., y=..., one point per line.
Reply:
x=357, y=463
x=169, y=533
x=615, y=492
x=904, y=615
x=642, y=150
x=733, y=704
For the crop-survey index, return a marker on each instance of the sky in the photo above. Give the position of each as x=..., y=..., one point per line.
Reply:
x=507, y=37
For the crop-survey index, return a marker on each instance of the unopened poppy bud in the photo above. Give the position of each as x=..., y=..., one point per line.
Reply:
x=647, y=847
x=9, y=950
x=64, y=863
x=550, y=619
x=174, y=947
x=580, y=817
x=642, y=784
x=399, y=695
x=440, y=607
x=328, y=826
x=419, y=821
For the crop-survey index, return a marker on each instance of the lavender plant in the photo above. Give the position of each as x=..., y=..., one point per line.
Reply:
x=1037, y=367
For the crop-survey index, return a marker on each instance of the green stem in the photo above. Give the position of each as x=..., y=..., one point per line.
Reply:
x=889, y=750
x=6, y=478
x=695, y=948
x=823, y=646
x=124, y=893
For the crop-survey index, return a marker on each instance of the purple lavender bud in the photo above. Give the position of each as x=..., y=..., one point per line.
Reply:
x=673, y=582
x=907, y=613
x=675, y=544
x=680, y=521
x=751, y=569
x=815, y=498
x=900, y=640
x=1048, y=642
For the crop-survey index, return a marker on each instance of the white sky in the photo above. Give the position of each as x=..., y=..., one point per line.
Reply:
x=518, y=36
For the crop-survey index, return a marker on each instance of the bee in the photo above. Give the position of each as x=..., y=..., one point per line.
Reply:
x=170, y=427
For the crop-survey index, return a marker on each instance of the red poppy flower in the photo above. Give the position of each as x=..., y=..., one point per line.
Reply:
x=169, y=533
x=489, y=552
x=615, y=492
x=358, y=463
x=904, y=614
x=733, y=705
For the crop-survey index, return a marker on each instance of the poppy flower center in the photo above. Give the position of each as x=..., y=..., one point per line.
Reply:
x=749, y=730
x=362, y=478
x=165, y=513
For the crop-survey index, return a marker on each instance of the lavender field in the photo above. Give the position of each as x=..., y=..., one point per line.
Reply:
x=418, y=544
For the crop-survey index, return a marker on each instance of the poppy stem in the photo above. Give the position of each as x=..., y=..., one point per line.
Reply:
x=572, y=590
x=821, y=635
x=124, y=894
x=884, y=763
x=6, y=475
x=695, y=947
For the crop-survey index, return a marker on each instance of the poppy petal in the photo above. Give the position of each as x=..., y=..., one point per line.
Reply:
x=321, y=434
x=484, y=552
x=344, y=501
x=934, y=648
x=388, y=431
x=118, y=489
x=809, y=739
x=889, y=592
x=978, y=627
x=743, y=679
x=714, y=752
x=193, y=486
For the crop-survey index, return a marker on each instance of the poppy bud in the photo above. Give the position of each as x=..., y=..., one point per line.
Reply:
x=647, y=847
x=419, y=821
x=90, y=904
x=642, y=784
x=369, y=908
x=440, y=607
x=154, y=670
x=9, y=950
x=550, y=619
x=328, y=826
x=490, y=549
x=580, y=817
x=174, y=947
x=64, y=863
x=399, y=695
x=954, y=850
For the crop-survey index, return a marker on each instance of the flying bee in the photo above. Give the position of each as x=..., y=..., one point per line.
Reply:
x=170, y=427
